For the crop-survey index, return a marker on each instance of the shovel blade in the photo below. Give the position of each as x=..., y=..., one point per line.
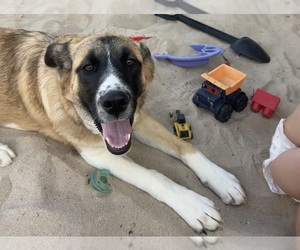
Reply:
x=249, y=48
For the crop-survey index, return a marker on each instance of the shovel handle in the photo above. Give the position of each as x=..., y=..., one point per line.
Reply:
x=182, y=5
x=200, y=26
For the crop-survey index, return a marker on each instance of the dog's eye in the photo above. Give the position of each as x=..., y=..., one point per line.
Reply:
x=130, y=62
x=88, y=67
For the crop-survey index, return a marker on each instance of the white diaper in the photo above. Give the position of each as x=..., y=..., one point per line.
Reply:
x=280, y=144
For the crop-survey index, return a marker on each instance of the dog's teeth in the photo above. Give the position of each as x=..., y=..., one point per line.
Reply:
x=118, y=147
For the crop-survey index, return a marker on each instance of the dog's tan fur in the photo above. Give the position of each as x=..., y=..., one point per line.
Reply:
x=36, y=97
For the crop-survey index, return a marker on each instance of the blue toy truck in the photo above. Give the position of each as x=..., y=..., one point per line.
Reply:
x=221, y=92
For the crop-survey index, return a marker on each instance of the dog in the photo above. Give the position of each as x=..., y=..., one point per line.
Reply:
x=88, y=92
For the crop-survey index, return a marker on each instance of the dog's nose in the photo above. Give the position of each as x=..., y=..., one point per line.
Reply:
x=114, y=102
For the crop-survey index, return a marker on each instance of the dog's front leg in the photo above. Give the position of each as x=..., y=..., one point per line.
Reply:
x=224, y=184
x=198, y=211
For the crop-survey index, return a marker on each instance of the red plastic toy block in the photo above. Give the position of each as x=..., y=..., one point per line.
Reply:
x=264, y=101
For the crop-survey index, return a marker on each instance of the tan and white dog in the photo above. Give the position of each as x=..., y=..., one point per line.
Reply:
x=87, y=92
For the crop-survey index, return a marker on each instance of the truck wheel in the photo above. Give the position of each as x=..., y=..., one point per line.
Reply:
x=240, y=102
x=224, y=113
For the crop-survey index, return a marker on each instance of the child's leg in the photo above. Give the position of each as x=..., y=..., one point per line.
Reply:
x=285, y=170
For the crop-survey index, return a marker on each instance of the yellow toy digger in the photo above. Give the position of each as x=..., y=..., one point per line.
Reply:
x=181, y=128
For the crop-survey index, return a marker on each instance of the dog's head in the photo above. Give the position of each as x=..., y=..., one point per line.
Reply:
x=108, y=79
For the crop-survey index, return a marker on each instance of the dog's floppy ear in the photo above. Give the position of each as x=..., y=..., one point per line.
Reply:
x=58, y=55
x=145, y=52
x=148, y=62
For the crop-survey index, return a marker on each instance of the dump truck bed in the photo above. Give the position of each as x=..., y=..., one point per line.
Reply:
x=226, y=78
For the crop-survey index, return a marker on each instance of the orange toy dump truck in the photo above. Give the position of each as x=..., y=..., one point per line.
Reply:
x=221, y=92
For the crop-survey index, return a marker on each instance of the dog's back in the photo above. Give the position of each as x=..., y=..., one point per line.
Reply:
x=20, y=54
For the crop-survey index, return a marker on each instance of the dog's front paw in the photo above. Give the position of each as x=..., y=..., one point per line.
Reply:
x=6, y=155
x=224, y=184
x=203, y=241
x=198, y=211
x=227, y=187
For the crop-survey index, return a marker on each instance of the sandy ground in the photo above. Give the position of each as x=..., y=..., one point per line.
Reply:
x=45, y=191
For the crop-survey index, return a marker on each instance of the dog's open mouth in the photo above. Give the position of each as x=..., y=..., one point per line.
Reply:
x=117, y=135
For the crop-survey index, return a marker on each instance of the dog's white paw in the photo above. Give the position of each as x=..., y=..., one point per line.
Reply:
x=6, y=155
x=227, y=187
x=198, y=211
x=224, y=184
x=203, y=241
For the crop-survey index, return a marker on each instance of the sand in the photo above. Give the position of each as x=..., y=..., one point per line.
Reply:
x=45, y=191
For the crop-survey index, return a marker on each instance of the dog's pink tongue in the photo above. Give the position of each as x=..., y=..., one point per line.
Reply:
x=117, y=133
